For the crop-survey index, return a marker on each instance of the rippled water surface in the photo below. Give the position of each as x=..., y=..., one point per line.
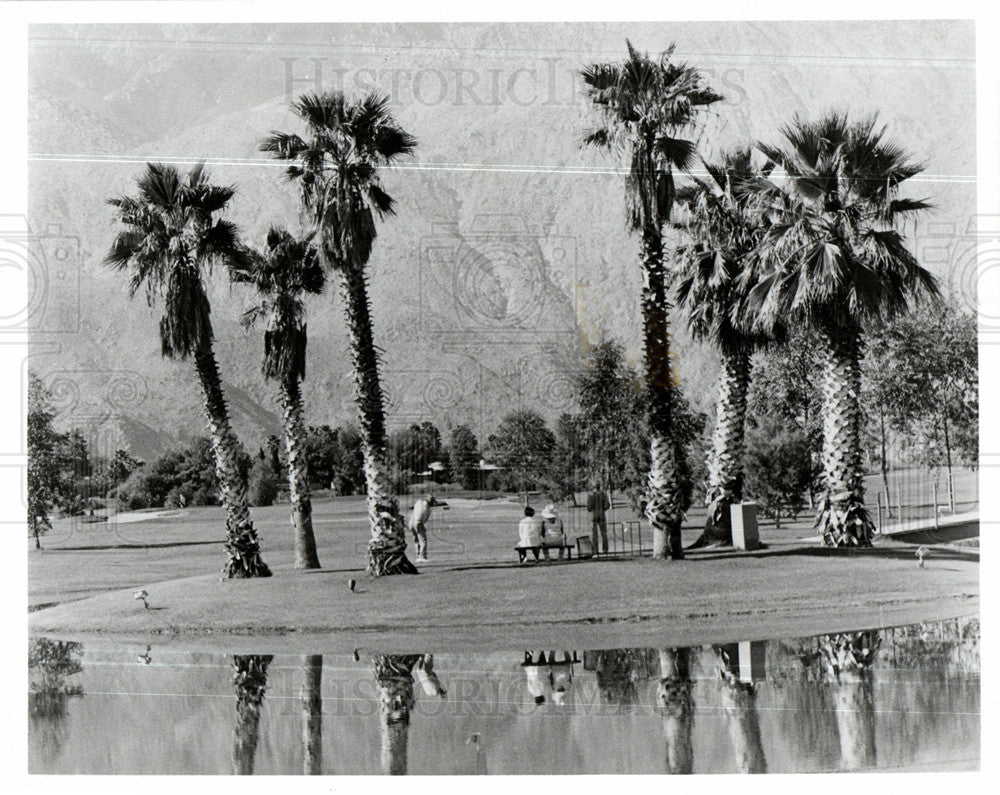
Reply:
x=900, y=698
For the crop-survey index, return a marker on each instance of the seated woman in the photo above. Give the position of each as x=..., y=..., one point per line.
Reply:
x=555, y=534
x=529, y=531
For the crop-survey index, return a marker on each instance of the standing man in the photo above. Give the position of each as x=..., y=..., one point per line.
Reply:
x=418, y=524
x=597, y=507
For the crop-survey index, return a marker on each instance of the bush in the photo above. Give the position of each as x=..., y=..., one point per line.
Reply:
x=138, y=499
x=779, y=467
x=264, y=484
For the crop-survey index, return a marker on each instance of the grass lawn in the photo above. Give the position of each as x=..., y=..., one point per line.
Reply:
x=472, y=593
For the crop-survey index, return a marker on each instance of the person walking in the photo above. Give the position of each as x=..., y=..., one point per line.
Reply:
x=418, y=524
x=597, y=506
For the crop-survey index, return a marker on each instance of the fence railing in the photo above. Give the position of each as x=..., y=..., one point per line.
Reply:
x=625, y=539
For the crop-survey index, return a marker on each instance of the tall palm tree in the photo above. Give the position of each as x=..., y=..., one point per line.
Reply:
x=336, y=168
x=283, y=273
x=171, y=235
x=834, y=257
x=644, y=105
x=721, y=229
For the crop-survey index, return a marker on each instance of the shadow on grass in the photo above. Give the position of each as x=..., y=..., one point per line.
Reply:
x=889, y=553
x=164, y=545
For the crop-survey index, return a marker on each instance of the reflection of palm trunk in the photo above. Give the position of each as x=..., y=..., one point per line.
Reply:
x=393, y=672
x=312, y=714
x=250, y=682
x=739, y=701
x=849, y=658
x=677, y=709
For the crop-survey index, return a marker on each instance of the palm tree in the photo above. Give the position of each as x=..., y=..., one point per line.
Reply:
x=336, y=169
x=644, y=104
x=171, y=235
x=833, y=257
x=721, y=231
x=285, y=271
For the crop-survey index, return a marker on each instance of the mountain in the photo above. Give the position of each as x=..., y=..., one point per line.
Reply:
x=508, y=251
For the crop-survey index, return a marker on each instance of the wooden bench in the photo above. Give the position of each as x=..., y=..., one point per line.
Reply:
x=522, y=552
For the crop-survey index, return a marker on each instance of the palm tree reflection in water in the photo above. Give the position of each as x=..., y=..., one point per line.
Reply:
x=250, y=683
x=848, y=659
x=312, y=714
x=739, y=702
x=676, y=707
x=394, y=674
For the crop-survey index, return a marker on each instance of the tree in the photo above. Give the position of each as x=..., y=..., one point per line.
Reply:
x=922, y=379
x=283, y=273
x=609, y=393
x=833, y=258
x=463, y=456
x=412, y=450
x=779, y=466
x=721, y=229
x=522, y=447
x=171, y=234
x=43, y=459
x=337, y=173
x=569, y=464
x=644, y=105
x=120, y=467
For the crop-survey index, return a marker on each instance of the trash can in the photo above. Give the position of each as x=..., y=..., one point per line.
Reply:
x=583, y=547
x=743, y=516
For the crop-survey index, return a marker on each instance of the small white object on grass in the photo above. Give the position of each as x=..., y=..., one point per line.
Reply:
x=143, y=596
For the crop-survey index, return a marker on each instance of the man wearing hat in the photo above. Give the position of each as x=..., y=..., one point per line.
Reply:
x=554, y=534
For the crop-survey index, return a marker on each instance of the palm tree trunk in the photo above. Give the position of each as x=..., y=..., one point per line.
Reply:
x=242, y=547
x=387, y=547
x=676, y=709
x=725, y=460
x=666, y=484
x=312, y=715
x=842, y=518
x=298, y=475
x=393, y=673
x=250, y=681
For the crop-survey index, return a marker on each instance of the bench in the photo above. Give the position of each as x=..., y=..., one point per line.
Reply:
x=522, y=552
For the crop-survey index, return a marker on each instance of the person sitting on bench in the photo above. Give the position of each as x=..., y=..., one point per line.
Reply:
x=530, y=531
x=554, y=535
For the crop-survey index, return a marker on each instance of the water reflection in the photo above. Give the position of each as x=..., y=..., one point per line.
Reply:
x=676, y=707
x=880, y=699
x=741, y=666
x=250, y=683
x=50, y=664
x=312, y=714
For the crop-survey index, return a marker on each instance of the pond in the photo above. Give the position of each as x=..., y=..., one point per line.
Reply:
x=901, y=698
